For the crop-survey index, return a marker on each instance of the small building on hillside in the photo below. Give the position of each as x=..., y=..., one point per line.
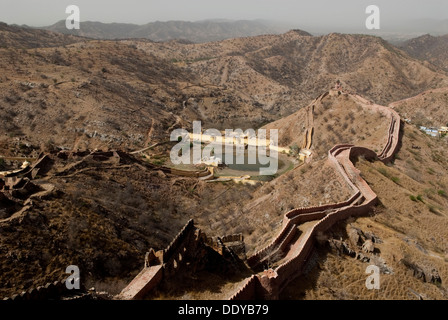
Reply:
x=433, y=132
x=212, y=161
x=304, y=154
x=338, y=86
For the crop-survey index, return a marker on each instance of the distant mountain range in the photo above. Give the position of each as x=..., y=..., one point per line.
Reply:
x=431, y=26
x=201, y=31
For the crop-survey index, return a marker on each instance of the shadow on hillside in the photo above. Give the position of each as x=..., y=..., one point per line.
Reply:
x=309, y=280
x=216, y=279
x=400, y=137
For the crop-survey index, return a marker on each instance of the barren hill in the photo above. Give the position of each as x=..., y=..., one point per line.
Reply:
x=105, y=209
x=105, y=95
x=429, y=48
x=129, y=94
x=27, y=38
x=282, y=72
x=428, y=108
x=407, y=229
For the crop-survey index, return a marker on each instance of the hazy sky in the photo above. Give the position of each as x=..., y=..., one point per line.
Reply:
x=334, y=13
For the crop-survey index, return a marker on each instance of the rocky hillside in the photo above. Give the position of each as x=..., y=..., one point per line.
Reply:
x=405, y=236
x=429, y=48
x=428, y=108
x=105, y=95
x=287, y=71
x=128, y=94
x=27, y=38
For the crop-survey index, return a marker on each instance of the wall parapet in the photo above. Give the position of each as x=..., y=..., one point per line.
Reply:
x=163, y=263
x=50, y=291
x=248, y=291
x=176, y=242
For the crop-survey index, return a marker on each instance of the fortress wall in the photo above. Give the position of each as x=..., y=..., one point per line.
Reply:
x=290, y=235
x=191, y=174
x=268, y=289
x=334, y=160
x=270, y=284
x=232, y=238
x=142, y=284
x=351, y=172
x=313, y=213
x=300, y=253
x=151, y=284
x=293, y=268
x=337, y=149
x=52, y=290
x=259, y=255
x=394, y=136
x=248, y=290
x=361, y=184
x=177, y=242
x=302, y=211
x=172, y=259
x=390, y=140
x=308, y=217
x=391, y=146
x=356, y=152
x=293, y=217
x=343, y=214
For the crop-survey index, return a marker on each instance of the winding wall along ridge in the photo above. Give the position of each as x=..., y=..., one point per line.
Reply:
x=270, y=283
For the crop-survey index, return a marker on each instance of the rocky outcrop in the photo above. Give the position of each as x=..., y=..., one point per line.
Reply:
x=425, y=273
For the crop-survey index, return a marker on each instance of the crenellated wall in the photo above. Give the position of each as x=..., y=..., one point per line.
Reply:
x=248, y=290
x=181, y=239
x=165, y=263
x=51, y=291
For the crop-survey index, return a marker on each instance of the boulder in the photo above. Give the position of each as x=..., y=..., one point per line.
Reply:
x=357, y=236
x=434, y=277
x=368, y=246
x=362, y=257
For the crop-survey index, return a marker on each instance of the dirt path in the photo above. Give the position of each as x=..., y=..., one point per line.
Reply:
x=225, y=74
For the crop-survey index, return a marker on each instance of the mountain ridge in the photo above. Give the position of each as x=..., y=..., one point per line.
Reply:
x=198, y=31
x=433, y=49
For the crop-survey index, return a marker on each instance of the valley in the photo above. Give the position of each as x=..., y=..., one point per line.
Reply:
x=359, y=183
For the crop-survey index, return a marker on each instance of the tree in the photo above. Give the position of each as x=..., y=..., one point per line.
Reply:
x=273, y=255
x=294, y=150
